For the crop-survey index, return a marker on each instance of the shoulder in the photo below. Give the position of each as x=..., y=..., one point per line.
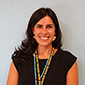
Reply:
x=66, y=54
x=66, y=58
x=19, y=62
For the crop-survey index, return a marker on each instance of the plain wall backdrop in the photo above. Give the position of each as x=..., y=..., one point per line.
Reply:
x=14, y=17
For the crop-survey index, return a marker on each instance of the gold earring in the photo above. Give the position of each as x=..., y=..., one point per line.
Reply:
x=54, y=38
x=34, y=37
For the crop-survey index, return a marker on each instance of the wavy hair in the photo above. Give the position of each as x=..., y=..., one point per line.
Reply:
x=28, y=45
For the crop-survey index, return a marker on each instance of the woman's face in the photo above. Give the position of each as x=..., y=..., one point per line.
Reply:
x=44, y=31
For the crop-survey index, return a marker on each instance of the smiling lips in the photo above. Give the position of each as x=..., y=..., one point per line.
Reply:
x=44, y=38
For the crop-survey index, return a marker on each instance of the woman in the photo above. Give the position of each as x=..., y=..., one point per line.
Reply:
x=40, y=59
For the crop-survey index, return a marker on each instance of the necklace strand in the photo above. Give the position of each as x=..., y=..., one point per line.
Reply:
x=36, y=65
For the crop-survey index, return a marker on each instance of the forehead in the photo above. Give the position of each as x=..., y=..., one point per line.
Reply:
x=45, y=20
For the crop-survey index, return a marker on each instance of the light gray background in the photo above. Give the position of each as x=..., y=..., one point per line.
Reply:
x=14, y=16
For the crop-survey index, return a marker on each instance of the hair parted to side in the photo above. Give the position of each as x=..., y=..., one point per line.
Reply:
x=29, y=44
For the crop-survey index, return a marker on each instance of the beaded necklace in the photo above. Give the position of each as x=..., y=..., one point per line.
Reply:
x=36, y=66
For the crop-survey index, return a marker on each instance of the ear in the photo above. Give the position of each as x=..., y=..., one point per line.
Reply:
x=55, y=33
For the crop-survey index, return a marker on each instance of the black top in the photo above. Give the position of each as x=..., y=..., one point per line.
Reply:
x=61, y=62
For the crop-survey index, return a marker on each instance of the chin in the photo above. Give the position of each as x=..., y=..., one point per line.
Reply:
x=45, y=44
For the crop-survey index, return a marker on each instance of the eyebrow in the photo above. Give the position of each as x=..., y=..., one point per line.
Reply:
x=47, y=24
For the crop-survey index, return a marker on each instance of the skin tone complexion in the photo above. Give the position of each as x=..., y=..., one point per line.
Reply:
x=44, y=31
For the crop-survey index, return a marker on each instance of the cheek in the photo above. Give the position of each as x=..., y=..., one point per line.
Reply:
x=36, y=32
x=52, y=32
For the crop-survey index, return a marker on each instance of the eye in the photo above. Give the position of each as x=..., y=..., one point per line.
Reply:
x=49, y=26
x=39, y=26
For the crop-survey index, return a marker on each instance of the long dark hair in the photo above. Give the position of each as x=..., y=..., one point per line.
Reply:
x=26, y=49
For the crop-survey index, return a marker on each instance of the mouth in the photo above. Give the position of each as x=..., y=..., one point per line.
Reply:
x=44, y=38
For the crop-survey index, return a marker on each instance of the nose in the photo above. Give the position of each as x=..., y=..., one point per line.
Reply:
x=44, y=31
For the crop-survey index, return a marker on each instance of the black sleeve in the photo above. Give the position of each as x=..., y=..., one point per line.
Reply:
x=70, y=60
x=16, y=62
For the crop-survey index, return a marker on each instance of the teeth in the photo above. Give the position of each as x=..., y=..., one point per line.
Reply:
x=44, y=37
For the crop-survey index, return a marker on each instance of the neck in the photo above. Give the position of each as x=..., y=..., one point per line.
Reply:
x=44, y=52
